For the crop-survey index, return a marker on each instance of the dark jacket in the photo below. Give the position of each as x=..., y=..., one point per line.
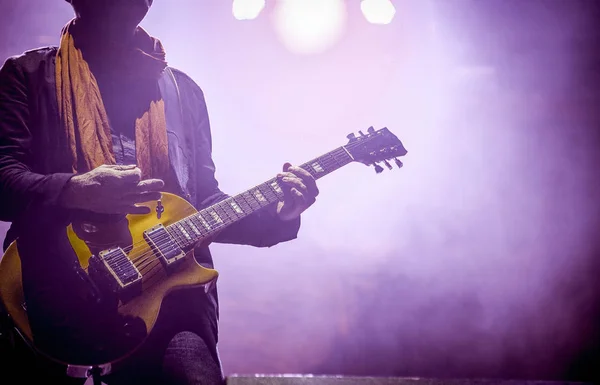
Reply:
x=34, y=167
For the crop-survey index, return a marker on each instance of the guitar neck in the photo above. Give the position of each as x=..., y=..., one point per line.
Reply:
x=211, y=220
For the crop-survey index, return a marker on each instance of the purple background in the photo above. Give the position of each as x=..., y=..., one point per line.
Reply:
x=478, y=259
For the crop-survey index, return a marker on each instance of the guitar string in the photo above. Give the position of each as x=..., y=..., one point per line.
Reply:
x=151, y=256
x=148, y=255
x=149, y=275
x=181, y=240
x=153, y=271
x=326, y=163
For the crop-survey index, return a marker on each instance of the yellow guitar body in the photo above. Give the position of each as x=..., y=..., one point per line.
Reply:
x=155, y=286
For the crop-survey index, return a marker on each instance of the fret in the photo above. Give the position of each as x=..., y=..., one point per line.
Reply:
x=189, y=223
x=218, y=215
x=235, y=206
x=342, y=157
x=260, y=198
x=313, y=167
x=197, y=224
x=209, y=220
x=310, y=169
x=202, y=220
x=176, y=235
x=268, y=192
x=218, y=209
x=276, y=188
x=187, y=237
x=217, y=221
x=327, y=163
x=332, y=162
x=319, y=165
x=250, y=200
x=229, y=211
x=244, y=205
x=198, y=229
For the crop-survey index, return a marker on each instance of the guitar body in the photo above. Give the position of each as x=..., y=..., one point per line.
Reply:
x=88, y=240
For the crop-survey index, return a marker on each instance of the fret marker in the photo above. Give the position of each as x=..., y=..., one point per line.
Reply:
x=184, y=231
x=204, y=223
x=235, y=206
x=259, y=196
x=276, y=187
x=216, y=217
x=193, y=226
x=317, y=167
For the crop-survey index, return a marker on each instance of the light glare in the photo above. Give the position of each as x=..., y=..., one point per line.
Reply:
x=247, y=9
x=309, y=26
x=378, y=11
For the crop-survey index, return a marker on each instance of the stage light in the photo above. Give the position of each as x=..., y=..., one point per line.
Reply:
x=247, y=9
x=378, y=11
x=309, y=26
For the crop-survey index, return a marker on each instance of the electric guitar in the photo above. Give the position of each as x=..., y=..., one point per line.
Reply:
x=139, y=261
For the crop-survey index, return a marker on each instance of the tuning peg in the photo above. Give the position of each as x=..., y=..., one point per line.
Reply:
x=371, y=130
x=351, y=136
x=387, y=164
x=378, y=168
x=361, y=133
x=398, y=162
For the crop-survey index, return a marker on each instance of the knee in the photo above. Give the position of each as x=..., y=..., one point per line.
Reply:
x=189, y=361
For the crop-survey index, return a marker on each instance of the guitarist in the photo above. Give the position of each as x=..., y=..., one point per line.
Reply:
x=92, y=128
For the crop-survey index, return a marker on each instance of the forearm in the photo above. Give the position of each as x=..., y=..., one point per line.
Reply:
x=21, y=190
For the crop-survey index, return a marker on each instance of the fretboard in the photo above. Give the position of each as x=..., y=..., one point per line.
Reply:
x=211, y=220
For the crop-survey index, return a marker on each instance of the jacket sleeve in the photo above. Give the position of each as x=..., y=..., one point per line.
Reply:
x=20, y=188
x=261, y=229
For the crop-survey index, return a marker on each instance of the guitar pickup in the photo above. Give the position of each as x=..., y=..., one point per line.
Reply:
x=115, y=274
x=120, y=267
x=163, y=245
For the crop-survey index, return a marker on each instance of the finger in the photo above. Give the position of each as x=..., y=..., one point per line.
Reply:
x=150, y=185
x=130, y=176
x=144, y=197
x=286, y=166
x=295, y=182
x=299, y=198
x=139, y=210
x=300, y=172
x=307, y=179
x=121, y=167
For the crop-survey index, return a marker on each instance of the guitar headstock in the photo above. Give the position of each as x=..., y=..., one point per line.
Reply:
x=375, y=147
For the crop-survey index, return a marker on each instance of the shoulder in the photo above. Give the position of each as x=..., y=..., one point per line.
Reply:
x=187, y=86
x=32, y=60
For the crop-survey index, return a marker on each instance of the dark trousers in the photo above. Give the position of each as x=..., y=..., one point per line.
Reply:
x=186, y=361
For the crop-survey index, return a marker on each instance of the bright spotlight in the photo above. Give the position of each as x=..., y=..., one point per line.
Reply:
x=309, y=26
x=247, y=9
x=378, y=11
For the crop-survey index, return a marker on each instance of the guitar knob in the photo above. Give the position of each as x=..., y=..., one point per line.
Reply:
x=361, y=133
x=387, y=164
x=89, y=228
x=378, y=168
x=351, y=136
x=398, y=163
x=371, y=130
